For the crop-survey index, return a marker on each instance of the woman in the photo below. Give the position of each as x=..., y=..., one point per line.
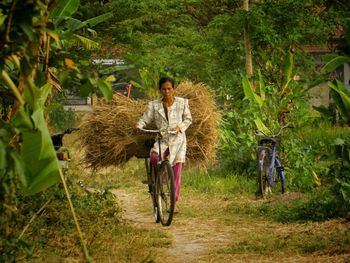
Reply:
x=171, y=113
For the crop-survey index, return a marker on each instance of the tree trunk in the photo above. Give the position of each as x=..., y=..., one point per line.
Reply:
x=248, y=49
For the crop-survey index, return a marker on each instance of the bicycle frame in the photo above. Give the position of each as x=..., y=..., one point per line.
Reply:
x=268, y=161
x=273, y=162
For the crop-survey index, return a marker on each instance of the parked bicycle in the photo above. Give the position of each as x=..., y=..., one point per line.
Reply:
x=268, y=161
x=161, y=186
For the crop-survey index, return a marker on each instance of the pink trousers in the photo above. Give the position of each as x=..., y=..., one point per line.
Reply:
x=177, y=168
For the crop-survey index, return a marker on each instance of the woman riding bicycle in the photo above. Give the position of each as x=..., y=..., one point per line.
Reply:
x=173, y=114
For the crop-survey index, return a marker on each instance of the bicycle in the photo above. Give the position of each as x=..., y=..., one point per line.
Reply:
x=161, y=185
x=268, y=145
x=62, y=153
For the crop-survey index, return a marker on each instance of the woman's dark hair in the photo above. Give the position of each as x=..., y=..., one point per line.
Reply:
x=166, y=79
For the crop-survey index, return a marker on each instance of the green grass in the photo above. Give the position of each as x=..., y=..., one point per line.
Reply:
x=218, y=181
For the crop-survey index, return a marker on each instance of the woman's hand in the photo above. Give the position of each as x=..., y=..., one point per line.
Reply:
x=177, y=130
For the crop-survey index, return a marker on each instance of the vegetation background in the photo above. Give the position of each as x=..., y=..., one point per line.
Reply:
x=253, y=55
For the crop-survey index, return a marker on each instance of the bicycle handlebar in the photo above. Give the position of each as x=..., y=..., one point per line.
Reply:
x=287, y=126
x=161, y=131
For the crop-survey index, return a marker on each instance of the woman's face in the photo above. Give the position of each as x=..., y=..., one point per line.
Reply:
x=167, y=90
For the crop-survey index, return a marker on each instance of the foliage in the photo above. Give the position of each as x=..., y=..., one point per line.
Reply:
x=32, y=33
x=47, y=228
x=299, y=164
x=340, y=171
x=341, y=96
x=270, y=105
x=322, y=205
x=58, y=117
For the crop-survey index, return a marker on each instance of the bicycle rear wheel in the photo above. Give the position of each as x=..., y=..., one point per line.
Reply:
x=263, y=172
x=166, y=192
x=280, y=172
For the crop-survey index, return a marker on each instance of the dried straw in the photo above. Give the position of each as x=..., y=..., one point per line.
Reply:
x=110, y=137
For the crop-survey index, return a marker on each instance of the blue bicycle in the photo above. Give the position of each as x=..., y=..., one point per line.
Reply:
x=268, y=161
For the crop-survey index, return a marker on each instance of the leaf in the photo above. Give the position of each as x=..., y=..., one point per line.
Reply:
x=85, y=42
x=2, y=19
x=106, y=89
x=53, y=35
x=39, y=157
x=344, y=189
x=335, y=63
x=261, y=126
x=3, y=162
x=136, y=84
x=342, y=88
x=73, y=24
x=287, y=71
x=249, y=93
x=262, y=87
x=22, y=120
x=19, y=168
x=110, y=78
x=338, y=141
x=339, y=104
x=28, y=30
x=342, y=101
x=53, y=80
x=98, y=19
x=44, y=92
x=65, y=8
x=86, y=89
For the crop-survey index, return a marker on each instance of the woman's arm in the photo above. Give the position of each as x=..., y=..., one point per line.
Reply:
x=186, y=117
x=147, y=117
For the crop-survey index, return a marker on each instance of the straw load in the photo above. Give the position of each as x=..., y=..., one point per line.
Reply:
x=110, y=137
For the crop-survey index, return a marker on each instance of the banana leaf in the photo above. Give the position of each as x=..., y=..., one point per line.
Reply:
x=64, y=8
x=335, y=63
x=287, y=71
x=249, y=92
x=342, y=100
x=262, y=87
x=39, y=157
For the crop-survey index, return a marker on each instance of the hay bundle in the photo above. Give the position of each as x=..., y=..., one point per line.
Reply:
x=110, y=137
x=202, y=135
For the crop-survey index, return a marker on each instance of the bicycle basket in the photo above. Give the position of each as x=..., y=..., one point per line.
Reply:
x=144, y=148
x=270, y=141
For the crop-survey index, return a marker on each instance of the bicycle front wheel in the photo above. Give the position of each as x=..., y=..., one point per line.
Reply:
x=166, y=193
x=154, y=192
x=263, y=172
x=151, y=181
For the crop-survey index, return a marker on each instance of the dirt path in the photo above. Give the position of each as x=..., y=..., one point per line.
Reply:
x=192, y=238
x=203, y=232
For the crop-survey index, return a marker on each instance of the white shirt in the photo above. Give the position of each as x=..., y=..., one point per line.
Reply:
x=179, y=115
